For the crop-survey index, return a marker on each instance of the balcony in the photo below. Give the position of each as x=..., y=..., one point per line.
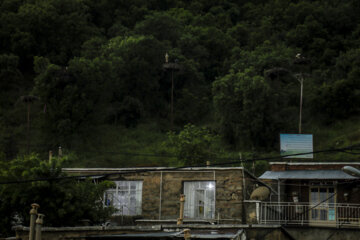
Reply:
x=308, y=214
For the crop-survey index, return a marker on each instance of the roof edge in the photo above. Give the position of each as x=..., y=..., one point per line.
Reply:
x=314, y=163
x=149, y=169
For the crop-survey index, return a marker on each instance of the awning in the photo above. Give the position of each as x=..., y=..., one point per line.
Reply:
x=307, y=174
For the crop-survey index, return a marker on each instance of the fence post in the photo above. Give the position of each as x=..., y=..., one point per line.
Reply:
x=33, y=213
x=187, y=235
x=39, y=222
x=264, y=206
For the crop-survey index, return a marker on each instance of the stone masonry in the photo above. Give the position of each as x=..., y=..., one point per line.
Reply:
x=168, y=185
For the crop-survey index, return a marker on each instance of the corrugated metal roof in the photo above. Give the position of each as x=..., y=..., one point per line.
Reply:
x=159, y=235
x=208, y=234
x=306, y=174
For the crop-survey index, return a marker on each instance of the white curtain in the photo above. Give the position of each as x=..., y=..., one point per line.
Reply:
x=126, y=197
x=199, y=199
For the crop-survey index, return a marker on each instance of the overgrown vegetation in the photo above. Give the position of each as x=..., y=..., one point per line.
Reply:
x=65, y=202
x=96, y=69
x=88, y=76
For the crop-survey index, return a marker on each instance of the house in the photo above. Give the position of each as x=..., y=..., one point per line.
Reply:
x=312, y=194
x=212, y=194
x=291, y=201
x=149, y=203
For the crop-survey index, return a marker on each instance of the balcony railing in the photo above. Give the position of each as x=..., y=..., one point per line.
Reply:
x=324, y=214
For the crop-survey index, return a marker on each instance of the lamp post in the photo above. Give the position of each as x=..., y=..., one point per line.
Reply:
x=351, y=171
x=171, y=67
x=276, y=72
x=300, y=60
x=300, y=78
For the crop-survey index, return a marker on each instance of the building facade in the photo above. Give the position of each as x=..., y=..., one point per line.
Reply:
x=212, y=194
x=316, y=194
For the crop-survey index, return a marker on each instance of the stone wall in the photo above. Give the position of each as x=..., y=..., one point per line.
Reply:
x=252, y=211
x=229, y=191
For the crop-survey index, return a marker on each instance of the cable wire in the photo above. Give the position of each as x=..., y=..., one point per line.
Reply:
x=172, y=168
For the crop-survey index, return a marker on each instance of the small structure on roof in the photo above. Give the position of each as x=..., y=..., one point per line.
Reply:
x=313, y=193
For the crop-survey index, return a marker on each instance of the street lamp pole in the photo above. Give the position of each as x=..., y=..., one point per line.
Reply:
x=275, y=72
x=301, y=81
x=300, y=77
x=171, y=67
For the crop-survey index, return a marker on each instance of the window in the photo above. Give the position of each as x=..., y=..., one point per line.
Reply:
x=322, y=199
x=125, y=197
x=199, y=199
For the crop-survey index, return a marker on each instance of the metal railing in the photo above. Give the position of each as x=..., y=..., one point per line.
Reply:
x=324, y=214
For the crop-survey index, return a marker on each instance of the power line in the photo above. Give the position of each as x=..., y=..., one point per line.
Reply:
x=168, y=169
x=343, y=150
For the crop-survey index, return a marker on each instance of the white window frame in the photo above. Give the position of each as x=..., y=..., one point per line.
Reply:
x=200, y=198
x=126, y=198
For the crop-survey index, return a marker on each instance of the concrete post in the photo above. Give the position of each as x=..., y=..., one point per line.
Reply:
x=33, y=213
x=187, y=235
x=60, y=152
x=181, y=218
x=50, y=156
x=39, y=222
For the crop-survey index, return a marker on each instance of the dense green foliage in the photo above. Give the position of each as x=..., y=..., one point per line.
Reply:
x=88, y=75
x=64, y=202
x=193, y=146
x=99, y=64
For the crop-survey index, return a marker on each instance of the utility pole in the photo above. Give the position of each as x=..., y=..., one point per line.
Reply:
x=167, y=66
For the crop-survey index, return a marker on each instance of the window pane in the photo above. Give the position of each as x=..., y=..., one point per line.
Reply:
x=331, y=196
x=127, y=198
x=323, y=194
x=314, y=195
x=314, y=214
x=323, y=214
x=322, y=199
x=199, y=199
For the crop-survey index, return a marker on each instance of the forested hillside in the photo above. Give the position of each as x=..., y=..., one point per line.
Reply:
x=88, y=75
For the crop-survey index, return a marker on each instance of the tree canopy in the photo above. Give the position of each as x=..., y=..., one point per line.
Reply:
x=64, y=202
x=95, y=63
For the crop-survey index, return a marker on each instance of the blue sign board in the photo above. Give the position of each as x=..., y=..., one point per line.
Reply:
x=295, y=144
x=331, y=215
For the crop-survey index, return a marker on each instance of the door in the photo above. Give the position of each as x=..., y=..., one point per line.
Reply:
x=322, y=205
